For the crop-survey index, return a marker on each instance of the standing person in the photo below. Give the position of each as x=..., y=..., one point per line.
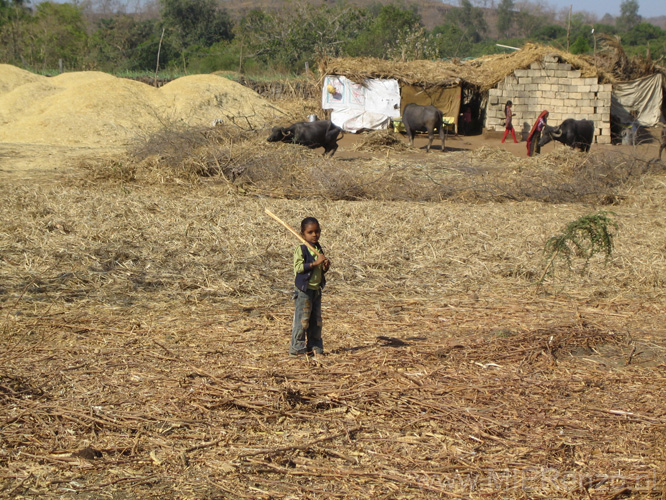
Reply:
x=533, y=139
x=466, y=116
x=508, y=125
x=634, y=127
x=310, y=269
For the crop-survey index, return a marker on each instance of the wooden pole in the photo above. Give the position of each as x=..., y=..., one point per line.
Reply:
x=594, y=36
x=292, y=231
x=159, y=49
x=569, y=27
x=240, y=59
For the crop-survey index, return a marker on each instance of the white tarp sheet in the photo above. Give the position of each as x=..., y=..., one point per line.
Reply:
x=357, y=107
x=644, y=96
x=354, y=121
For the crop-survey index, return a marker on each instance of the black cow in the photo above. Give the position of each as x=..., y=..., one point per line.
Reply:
x=417, y=118
x=574, y=133
x=663, y=142
x=318, y=134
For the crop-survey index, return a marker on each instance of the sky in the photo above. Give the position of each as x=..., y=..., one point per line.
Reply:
x=647, y=8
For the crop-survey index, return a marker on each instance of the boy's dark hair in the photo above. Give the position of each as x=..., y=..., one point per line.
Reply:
x=307, y=221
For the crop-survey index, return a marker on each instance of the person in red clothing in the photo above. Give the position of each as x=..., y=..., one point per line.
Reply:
x=533, y=139
x=508, y=125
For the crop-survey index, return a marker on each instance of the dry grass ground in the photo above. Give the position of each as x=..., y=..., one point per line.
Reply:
x=146, y=317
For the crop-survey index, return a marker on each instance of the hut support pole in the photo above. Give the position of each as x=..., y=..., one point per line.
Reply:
x=569, y=27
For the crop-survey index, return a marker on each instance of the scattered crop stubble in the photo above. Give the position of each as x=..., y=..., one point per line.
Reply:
x=147, y=318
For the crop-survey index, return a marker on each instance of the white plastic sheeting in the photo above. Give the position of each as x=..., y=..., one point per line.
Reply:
x=356, y=107
x=644, y=96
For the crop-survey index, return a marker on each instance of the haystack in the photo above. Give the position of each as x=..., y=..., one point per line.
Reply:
x=94, y=108
x=12, y=77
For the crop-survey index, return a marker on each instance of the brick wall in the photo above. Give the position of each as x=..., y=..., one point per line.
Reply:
x=554, y=86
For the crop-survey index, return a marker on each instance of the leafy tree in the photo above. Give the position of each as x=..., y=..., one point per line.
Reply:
x=144, y=57
x=319, y=32
x=10, y=8
x=195, y=22
x=415, y=44
x=605, y=28
x=57, y=32
x=384, y=25
x=580, y=28
x=116, y=40
x=549, y=33
x=505, y=16
x=451, y=41
x=14, y=14
x=580, y=46
x=258, y=34
x=225, y=56
x=642, y=34
x=470, y=20
x=629, y=16
x=286, y=40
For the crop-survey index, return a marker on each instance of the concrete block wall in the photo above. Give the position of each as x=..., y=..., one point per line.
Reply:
x=555, y=86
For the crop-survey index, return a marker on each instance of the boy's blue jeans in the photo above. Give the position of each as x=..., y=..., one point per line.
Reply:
x=306, y=330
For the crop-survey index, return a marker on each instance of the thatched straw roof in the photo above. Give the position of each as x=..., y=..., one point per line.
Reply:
x=612, y=58
x=484, y=72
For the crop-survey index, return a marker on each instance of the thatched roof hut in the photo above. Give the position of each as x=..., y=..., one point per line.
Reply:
x=473, y=80
x=483, y=73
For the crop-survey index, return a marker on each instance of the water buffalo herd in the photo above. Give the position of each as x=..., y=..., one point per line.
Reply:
x=577, y=134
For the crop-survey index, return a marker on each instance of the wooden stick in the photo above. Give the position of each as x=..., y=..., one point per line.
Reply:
x=291, y=230
x=305, y=446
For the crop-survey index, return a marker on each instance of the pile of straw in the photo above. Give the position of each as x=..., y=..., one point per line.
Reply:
x=144, y=335
x=146, y=316
x=245, y=161
x=92, y=108
x=380, y=140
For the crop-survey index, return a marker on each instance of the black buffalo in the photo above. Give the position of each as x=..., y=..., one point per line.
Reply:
x=417, y=118
x=318, y=134
x=574, y=133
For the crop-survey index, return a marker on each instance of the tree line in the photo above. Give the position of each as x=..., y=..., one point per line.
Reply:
x=192, y=36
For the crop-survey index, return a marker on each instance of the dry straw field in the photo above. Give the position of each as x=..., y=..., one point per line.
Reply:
x=146, y=308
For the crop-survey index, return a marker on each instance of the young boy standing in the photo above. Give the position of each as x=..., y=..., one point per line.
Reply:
x=309, y=269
